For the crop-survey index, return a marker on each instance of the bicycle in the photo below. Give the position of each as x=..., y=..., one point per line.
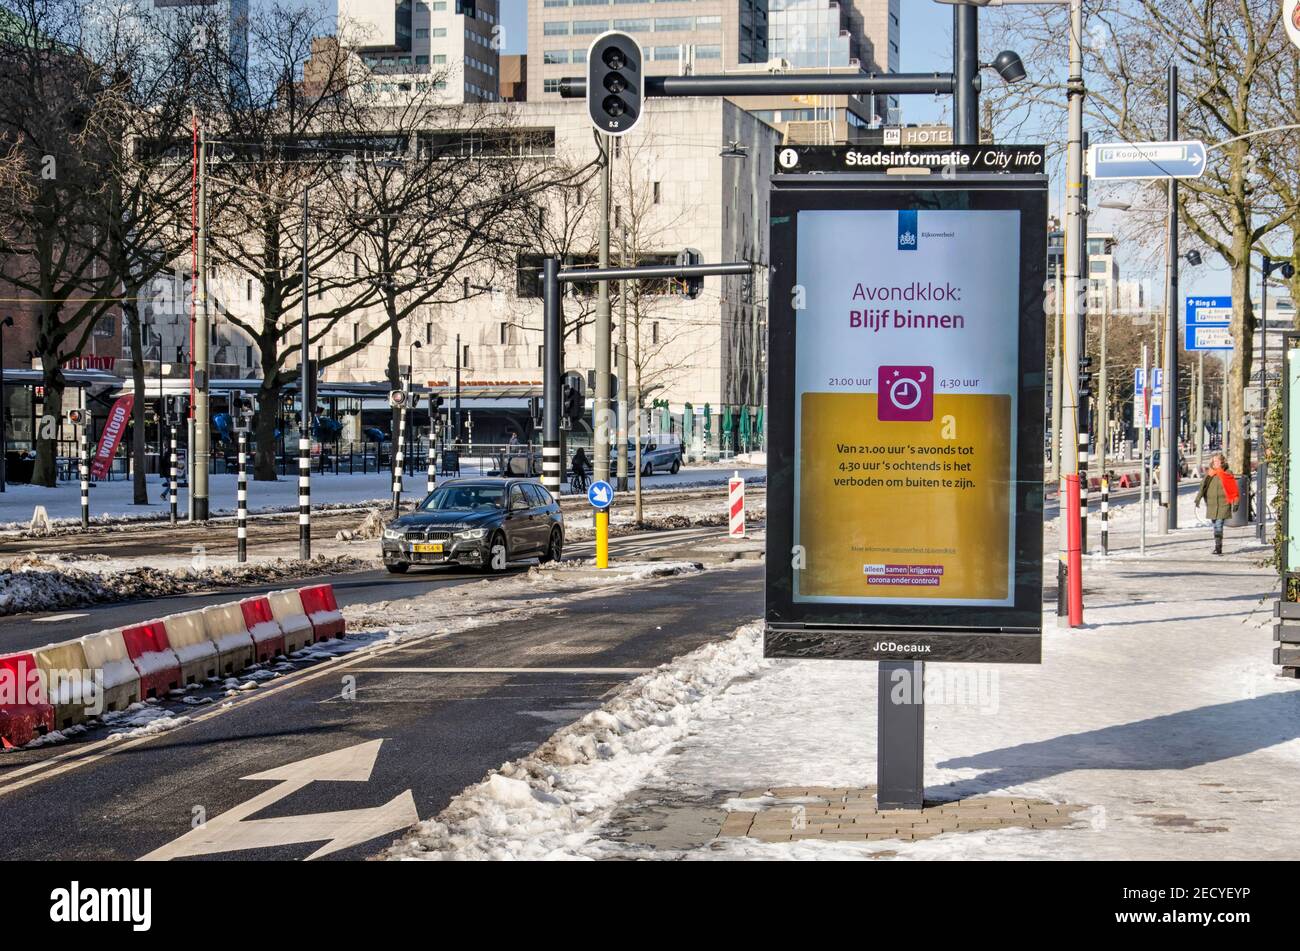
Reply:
x=578, y=483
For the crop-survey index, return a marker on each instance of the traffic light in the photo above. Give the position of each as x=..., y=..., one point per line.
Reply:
x=241, y=411
x=694, y=285
x=78, y=417
x=399, y=398
x=1085, y=377
x=615, y=83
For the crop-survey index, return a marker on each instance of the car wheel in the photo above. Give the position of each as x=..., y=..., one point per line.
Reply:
x=554, y=548
x=397, y=567
x=676, y=466
x=647, y=470
x=498, y=553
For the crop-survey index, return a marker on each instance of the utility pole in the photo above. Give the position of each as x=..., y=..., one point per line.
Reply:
x=622, y=370
x=202, y=333
x=1070, y=564
x=600, y=411
x=1169, y=385
x=1057, y=322
x=1200, y=408
x=456, y=435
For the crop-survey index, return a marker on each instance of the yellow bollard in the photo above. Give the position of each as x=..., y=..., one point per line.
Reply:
x=602, y=538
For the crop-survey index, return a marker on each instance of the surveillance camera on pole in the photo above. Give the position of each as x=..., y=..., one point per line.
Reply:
x=615, y=83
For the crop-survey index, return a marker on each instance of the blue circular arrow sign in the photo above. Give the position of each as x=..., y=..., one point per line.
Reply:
x=600, y=495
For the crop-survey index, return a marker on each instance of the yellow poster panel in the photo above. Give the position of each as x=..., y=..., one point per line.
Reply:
x=912, y=510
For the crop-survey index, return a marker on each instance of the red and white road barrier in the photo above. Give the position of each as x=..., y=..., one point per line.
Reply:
x=151, y=659
x=736, y=495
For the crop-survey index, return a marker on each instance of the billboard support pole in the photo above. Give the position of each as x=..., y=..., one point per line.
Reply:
x=900, y=735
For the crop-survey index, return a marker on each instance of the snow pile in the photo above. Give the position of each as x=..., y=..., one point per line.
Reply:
x=42, y=583
x=141, y=719
x=372, y=527
x=624, y=571
x=547, y=804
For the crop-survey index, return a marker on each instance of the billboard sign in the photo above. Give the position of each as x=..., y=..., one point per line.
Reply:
x=1207, y=323
x=907, y=394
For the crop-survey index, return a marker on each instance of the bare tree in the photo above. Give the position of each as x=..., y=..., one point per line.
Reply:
x=52, y=111
x=1226, y=51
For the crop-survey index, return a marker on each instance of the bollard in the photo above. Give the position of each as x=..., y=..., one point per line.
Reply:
x=172, y=488
x=84, y=466
x=1105, y=515
x=304, y=498
x=241, y=521
x=736, y=498
x=430, y=480
x=399, y=459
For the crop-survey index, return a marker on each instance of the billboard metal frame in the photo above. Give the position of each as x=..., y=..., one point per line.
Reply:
x=974, y=633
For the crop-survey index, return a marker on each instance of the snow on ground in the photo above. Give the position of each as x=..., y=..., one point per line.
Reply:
x=43, y=583
x=545, y=805
x=1163, y=718
x=112, y=500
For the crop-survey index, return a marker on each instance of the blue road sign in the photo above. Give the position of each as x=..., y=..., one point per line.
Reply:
x=1147, y=160
x=1139, y=392
x=600, y=495
x=1207, y=325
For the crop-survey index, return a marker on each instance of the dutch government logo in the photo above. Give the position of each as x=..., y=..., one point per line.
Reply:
x=907, y=230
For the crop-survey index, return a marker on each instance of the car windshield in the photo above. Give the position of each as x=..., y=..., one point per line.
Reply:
x=465, y=498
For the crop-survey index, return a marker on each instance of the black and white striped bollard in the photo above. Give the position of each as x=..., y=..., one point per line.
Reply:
x=430, y=479
x=1083, y=490
x=551, y=474
x=304, y=498
x=172, y=488
x=241, y=518
x=399, y=459
x=84, y=467
x=1105, y=515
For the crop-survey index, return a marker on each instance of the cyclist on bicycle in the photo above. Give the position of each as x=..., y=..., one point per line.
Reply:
x=580, y=469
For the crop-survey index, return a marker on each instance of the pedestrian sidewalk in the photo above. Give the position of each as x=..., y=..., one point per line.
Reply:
x=1158, y=730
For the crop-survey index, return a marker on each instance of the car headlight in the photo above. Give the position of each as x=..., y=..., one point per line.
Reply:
x=471, y=533
x=392, y=534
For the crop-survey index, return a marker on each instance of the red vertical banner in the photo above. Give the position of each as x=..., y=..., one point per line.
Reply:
x=114, y=427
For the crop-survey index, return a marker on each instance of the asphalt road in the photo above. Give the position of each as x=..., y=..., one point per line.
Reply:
x=445, y=708
x=25, y=631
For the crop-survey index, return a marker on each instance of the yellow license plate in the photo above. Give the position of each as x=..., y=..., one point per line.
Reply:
x=428, y=549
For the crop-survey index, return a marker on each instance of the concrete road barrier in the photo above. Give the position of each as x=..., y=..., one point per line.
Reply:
x=69, y=682
x=155, y=661
x=106, y=651
x=224, y=624
x=25, y=711
x=268, y=637
x=321, y=609
x=286, y=606
x=197, y=655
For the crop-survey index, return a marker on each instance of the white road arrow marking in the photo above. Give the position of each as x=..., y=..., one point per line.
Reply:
x=233, y=831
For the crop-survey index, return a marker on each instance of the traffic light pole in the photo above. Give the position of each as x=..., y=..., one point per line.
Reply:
x=552, y=465
x=600, y=414
x=552, y=278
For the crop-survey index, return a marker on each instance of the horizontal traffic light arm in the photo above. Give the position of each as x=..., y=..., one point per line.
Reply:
x=776, y=84
x=583, y=275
